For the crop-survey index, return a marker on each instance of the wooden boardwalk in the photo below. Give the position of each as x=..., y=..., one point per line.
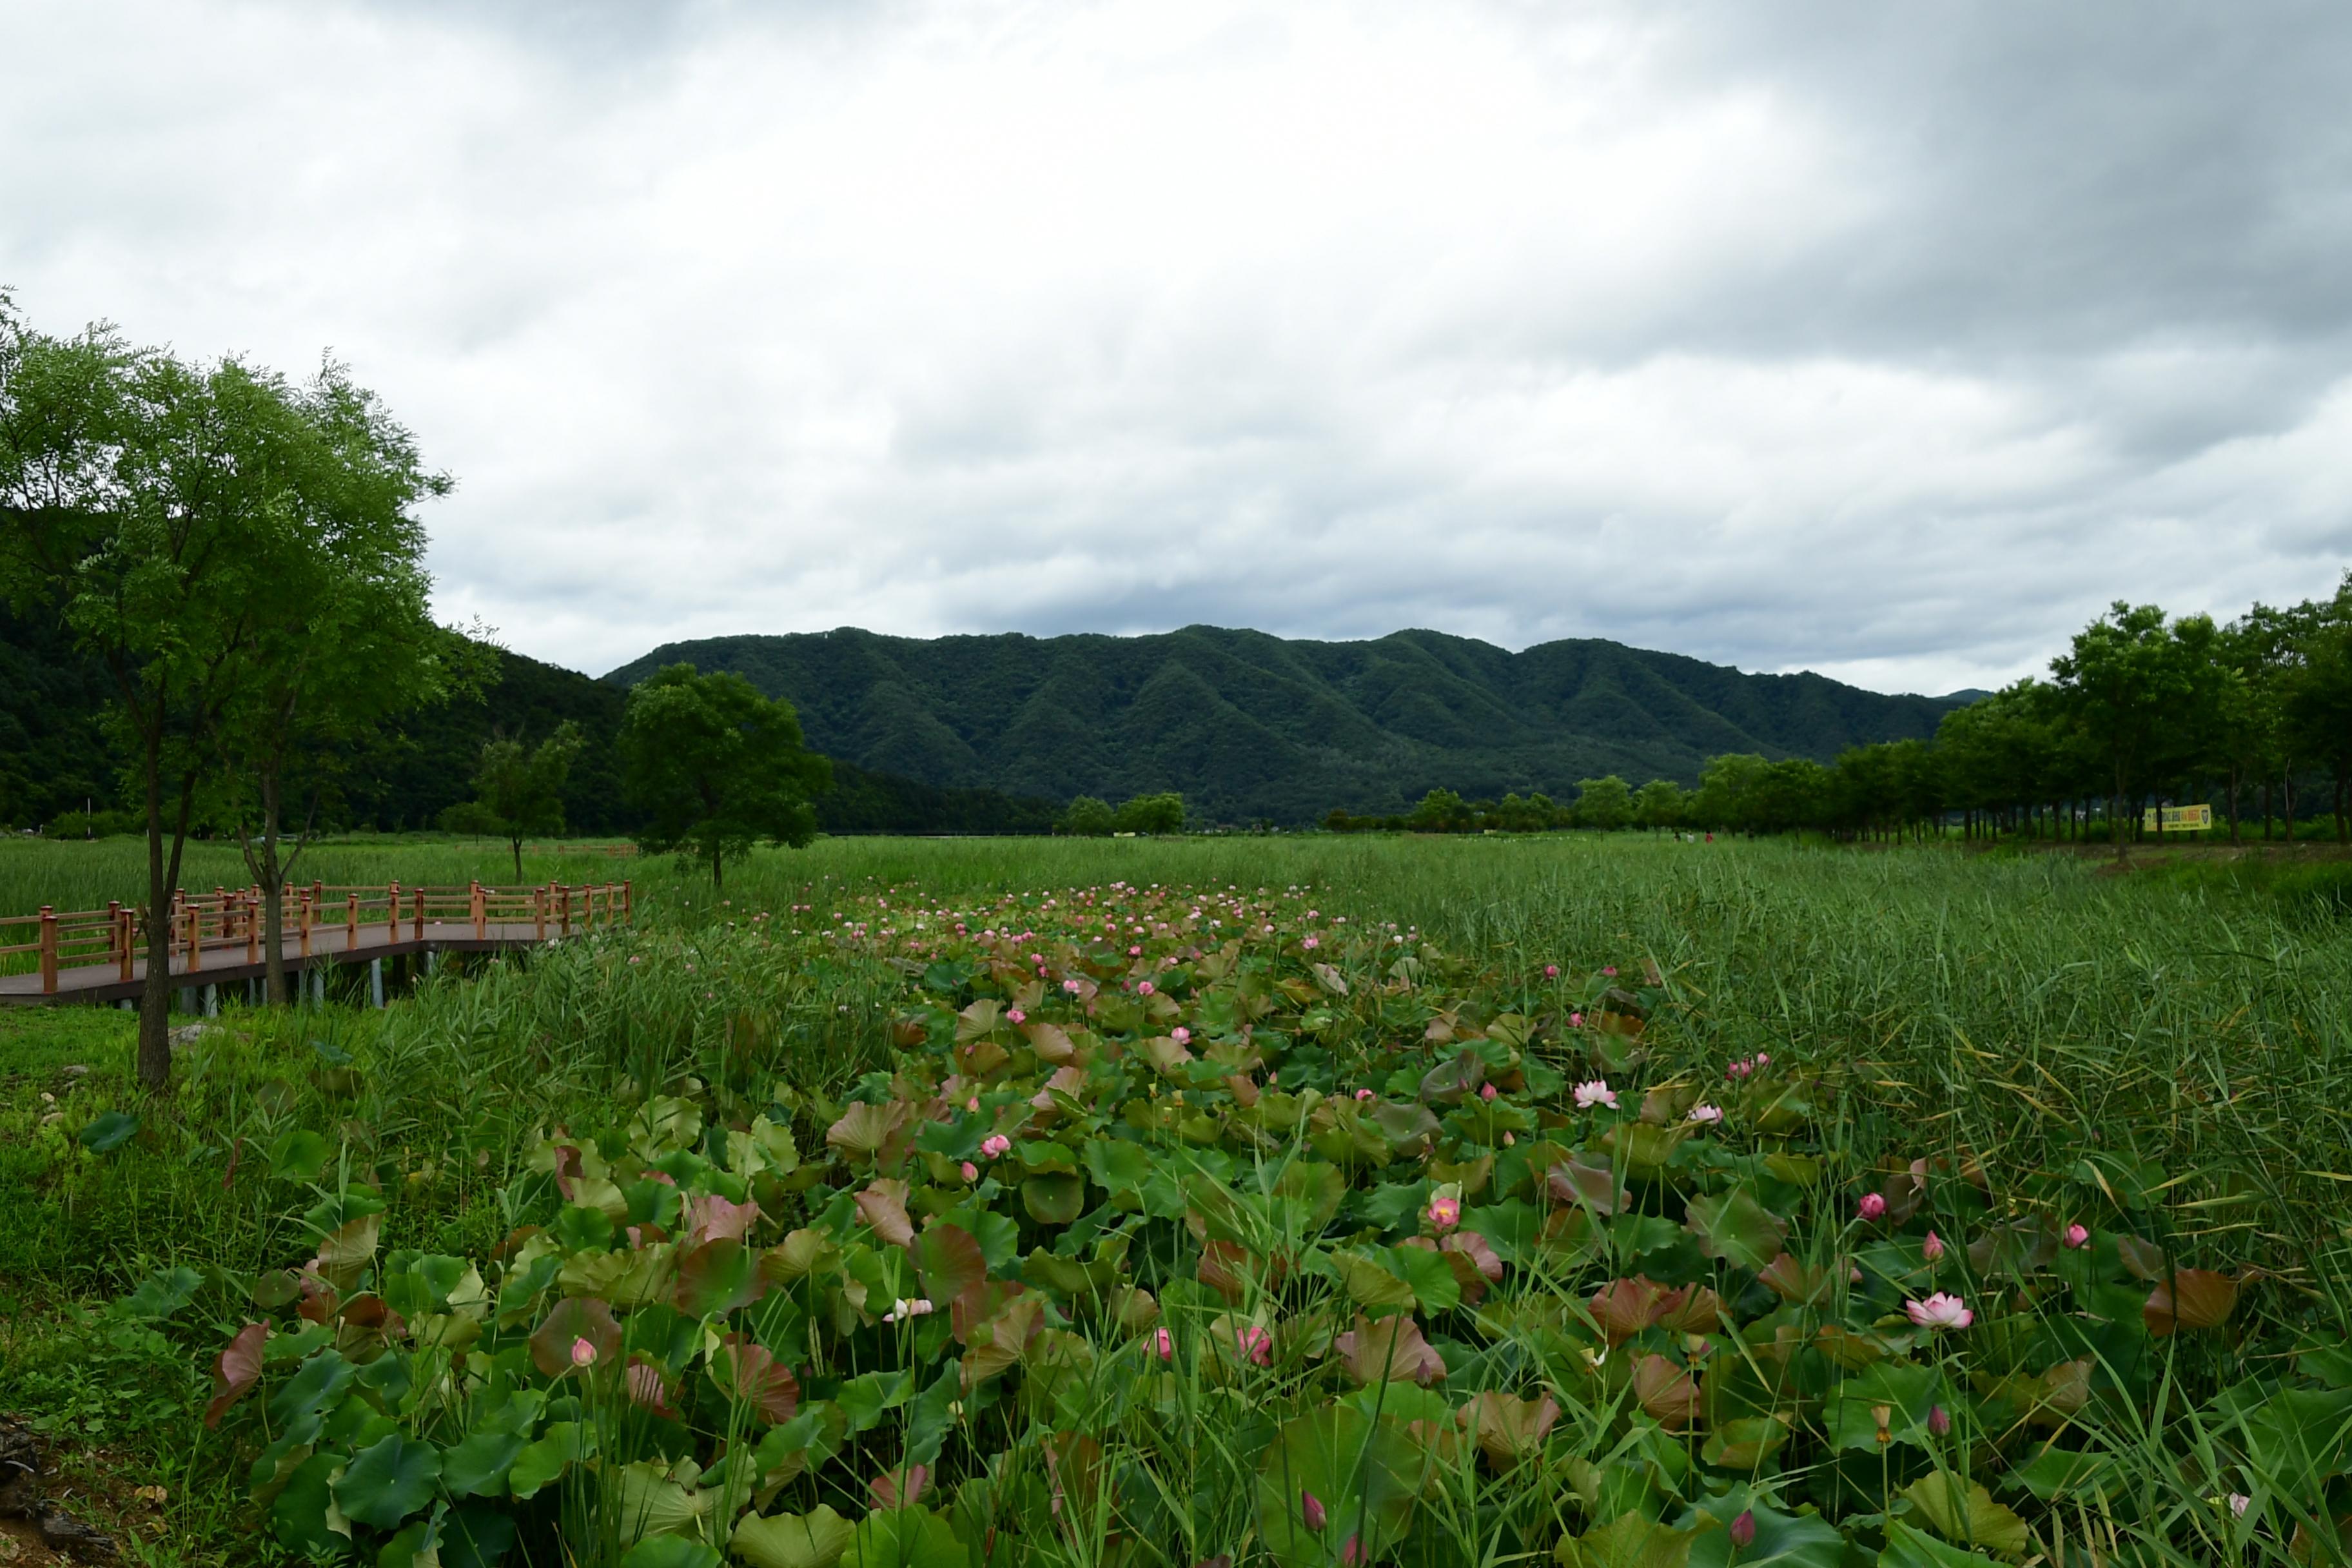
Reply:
x=101, y=955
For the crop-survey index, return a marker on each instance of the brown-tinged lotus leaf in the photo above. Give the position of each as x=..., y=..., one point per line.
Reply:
x=801, y=1254
x=950, y=1262
x=1470, y=1175
x=1967, y=1517
x=1449, y=1083
x=883, y=1205
x=998, y=1343
x=1391, y=1349
x=977, y=1019
x=1367, y=1282
x=1807, y=1284
x=982, y=1058
x=1481, y=1253
x=1669, y=1104
x=1245, y=1092
x=1667, y=1391
x=235, y=1370
x=2141, y=1259
x=1632, y=1540
x=2191, y=1298
x=908, y=1030
x=1640, y=1150
x=574, y=1318
x=1051, y=1042
x=1405, y=1123
x=1744, y=1444
x=1507, y=1430
x=743, y=1369
x=345, y=1252
x=1849, y=1349
x=1225, y=1268
x=865, y=1131
x=1623, y=1308
x=2016, y=1248
x=1586, y=1184
x=1700, y=1312
x=1328, y=978
x=1166, y=1056
x=648, y=1389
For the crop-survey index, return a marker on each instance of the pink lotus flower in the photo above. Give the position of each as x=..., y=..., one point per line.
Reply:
x=1445, y=1212
x=1071, y=986
x=1165, y=1343
x=1145, y=988
x=972, y=1104
x=1487, y=1092
x=1940, y=1312
x=1873, y=1206
x=1363, y=1094
x=1312, y=942
x=1135, y=953
x=583, y=1353
x=1706, y=1115
x=2077, y=1236
x=970, y=1171
x=1016, y=1016
x=906, y=1308
x=1933, y=1247
x=1180, y=1035
x=994, y=1144
x=1256, y=1344
x=1596, y=1092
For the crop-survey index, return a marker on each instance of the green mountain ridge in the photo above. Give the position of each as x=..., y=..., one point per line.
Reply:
x=1247, y=725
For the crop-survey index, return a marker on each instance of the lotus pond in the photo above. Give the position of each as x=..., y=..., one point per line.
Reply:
x=1183, y=1224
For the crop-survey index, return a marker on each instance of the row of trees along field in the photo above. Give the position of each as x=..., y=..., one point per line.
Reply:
x=241, y=554
x=2142, y=711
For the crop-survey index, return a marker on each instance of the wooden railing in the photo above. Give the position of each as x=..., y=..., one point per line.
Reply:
x=228, y=923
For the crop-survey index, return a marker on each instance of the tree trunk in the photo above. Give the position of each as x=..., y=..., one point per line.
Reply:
x=2118, y=813
x=718, y=875
x=516, y=845
x=272, y=877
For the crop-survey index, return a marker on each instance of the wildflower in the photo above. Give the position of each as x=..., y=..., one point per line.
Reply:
x=1873, y=1206
x=1310, y=1508
x=1487, y=1092
x=1610, y=970
x=1762, y=1060
x=2239, y=1503
x=1363, y=1094
x=994, y=1144
x=1706, y=1115
x=1596, y=1092
x=1940, y=1312
x=1575, y=1020
x=1933, y=1247
x=1016, y=1016
x=1445, y=1212
x=583, y=1353
x=1743, y=1530
x=2077, y=1236
x=1162, y=1342
x=1312, y=942
x=1940, y=1420
x=970, y=1171
x=1551, y=971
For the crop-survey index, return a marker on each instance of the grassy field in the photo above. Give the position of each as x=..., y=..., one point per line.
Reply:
x=2156, y=1056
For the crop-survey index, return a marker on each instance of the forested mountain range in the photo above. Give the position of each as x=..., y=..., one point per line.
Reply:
x=1251, y=726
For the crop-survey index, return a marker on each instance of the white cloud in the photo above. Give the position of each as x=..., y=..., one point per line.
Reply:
x=1323, y=318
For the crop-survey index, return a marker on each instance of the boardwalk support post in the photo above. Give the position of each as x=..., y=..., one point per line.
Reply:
x=48, y=949
x=375, y=981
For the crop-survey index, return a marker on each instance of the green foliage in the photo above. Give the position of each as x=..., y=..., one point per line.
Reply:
x=518, y=789
x=1158, y=814
x=1088, y=818
x=1605, y=804
x=716, y=767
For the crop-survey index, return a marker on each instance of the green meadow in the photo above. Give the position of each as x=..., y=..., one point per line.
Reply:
x=1298, y=1200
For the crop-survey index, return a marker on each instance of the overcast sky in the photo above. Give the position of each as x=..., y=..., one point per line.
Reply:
x=1889, y=341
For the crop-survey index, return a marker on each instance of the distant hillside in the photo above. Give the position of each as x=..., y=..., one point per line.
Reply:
x=1248, y=725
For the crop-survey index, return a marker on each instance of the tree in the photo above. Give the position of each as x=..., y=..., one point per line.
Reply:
x=1439, y=811
x=2318, y=694
x=1603, y=802
x=1161, y=814
x=717, y=767
x=518, y=791
x=346, y=639
x=1088, y=818
x=2124, y=682
x=1658, y=804
x=156, y=505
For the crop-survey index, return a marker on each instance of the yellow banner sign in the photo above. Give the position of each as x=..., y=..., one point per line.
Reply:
x=2177, y=819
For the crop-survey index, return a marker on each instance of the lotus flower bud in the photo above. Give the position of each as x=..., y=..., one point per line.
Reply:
x=1873, y=1206
x=1310, y=1508
x=1743, y=1530
x=1933, y=1247
x=1939, y=1422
